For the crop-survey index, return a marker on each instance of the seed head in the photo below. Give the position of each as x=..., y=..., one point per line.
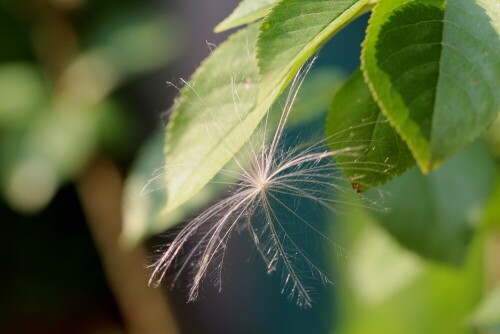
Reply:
x=271, y=191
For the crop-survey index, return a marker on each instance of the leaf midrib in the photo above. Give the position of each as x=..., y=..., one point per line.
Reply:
x=323, y=35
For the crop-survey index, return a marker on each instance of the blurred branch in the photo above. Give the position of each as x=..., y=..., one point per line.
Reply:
x=144, y=309
x=492, y=259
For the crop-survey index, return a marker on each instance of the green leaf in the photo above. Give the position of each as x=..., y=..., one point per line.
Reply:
x=144, y=196
x=214, y=116
x=435, y=215
x=246, y=12
x=22, y=92
x=293, y=31
x=487, y=316
x=434, y=68
x=356, y=120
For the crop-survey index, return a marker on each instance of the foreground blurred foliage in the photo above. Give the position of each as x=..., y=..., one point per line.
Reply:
x=389, y=290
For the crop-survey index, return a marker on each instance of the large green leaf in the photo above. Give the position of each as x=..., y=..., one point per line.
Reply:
x=356, y=120
x=214, y=116
x=246, y=12
x=293, y=31
x=436, y=214
x=434, y=68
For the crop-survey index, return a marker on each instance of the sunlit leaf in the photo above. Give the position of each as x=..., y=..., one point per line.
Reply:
x=246, y=12
x=214, y=116
x=293, y=31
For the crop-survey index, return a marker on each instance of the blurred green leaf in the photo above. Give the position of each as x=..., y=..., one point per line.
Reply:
x=434, y=69
x=379, y=268
x=50, y=150
x=246, y=12
x=435, y=215
x=145, y=196
x=487, y=316
x=427, y=298
x=143, y=202
x=117, y=129
x=23, y=93
x=354, y=120
x=135, y=40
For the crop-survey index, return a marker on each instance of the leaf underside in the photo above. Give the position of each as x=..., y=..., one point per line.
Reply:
x=355, y=120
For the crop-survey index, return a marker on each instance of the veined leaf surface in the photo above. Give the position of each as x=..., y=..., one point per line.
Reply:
x=214, y=116
x=293, y=31
x=434, y=68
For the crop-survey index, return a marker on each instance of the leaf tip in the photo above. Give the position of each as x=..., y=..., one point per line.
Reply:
x=430, y=165
x=220, y=27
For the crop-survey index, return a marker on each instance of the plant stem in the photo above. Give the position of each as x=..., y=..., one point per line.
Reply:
x=144, y=310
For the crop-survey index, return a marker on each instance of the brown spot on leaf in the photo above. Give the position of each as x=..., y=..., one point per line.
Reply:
x=356, y=187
